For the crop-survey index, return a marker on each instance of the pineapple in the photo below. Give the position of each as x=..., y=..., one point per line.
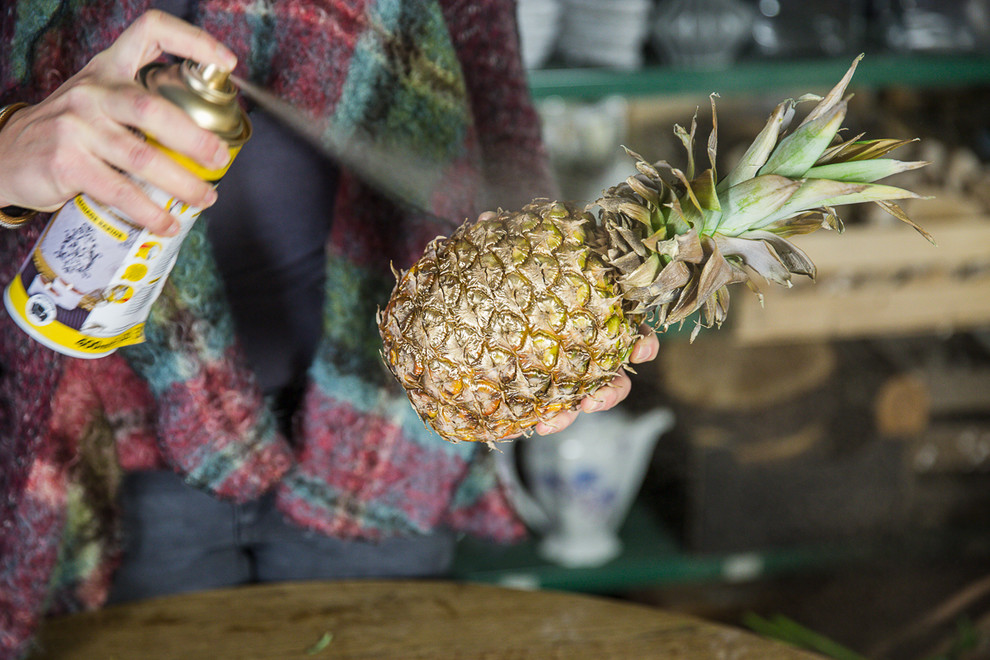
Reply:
x=520, y=315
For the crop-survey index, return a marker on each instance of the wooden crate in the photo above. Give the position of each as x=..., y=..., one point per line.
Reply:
x=876, y=281
x=784, y=445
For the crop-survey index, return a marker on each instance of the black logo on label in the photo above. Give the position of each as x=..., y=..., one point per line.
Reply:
x=40, y=309
x=78, y=251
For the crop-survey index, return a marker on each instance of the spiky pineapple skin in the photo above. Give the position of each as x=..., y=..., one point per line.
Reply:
x=512, y=320
x=507, y=321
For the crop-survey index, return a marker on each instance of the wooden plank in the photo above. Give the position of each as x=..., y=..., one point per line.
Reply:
x=934, y=305
x=896, y=247
x=877, y=281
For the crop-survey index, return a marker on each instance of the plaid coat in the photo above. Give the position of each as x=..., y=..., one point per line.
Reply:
x=440, y=76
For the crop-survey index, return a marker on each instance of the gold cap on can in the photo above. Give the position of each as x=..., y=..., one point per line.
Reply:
x=205, y=92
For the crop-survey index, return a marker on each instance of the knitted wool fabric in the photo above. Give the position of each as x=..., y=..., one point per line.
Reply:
x=442, y=77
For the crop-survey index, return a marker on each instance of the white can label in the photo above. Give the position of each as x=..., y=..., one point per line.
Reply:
x=88, y=285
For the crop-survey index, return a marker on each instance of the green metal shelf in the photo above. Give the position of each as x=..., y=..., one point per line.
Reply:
x=651, y=557
x=880, y=70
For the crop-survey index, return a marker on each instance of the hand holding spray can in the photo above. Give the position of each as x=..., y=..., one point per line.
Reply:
x=88, y=284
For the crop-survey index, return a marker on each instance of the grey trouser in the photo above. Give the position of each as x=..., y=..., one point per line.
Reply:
x=177, y=539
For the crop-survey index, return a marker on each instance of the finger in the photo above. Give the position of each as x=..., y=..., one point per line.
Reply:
x=156, y=32
x=608, y=396
x=558, y=422
x=131, y=105
x=486, y=216
x=111, y=188
x=647, y=347
x=123, y=149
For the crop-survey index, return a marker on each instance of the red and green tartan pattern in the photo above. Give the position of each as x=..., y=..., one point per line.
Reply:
x=362, y=465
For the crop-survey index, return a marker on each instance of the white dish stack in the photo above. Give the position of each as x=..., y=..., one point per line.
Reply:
x=608, y=33
x=539, y=25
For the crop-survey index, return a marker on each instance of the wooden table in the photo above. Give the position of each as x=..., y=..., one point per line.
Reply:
x=383, y=620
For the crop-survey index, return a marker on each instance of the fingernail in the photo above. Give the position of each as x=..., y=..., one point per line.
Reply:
x=593, y=404
x=227, y=56
x=170, y=229
x=221, y=156
x=642, y=352
x=208, y=199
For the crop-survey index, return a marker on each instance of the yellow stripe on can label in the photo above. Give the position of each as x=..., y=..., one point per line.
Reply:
x=191, y=165
x=37, y=316
x=100, y=223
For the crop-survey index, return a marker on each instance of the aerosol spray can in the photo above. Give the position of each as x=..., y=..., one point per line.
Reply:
x=88, y=285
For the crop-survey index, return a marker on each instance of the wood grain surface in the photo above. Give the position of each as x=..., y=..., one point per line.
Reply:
x=382, y=620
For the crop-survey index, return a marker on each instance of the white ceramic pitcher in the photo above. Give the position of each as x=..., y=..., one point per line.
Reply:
x=582, y=481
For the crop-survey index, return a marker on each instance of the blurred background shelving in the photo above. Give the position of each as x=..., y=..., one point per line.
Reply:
x=831, y=457
x=652, y=556
x=931, y=72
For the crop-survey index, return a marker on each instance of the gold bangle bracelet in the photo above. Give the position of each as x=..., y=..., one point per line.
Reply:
x=8, y=110
x=12, y=217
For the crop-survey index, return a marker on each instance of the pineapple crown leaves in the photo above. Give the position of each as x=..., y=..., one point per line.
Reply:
x=678, y=238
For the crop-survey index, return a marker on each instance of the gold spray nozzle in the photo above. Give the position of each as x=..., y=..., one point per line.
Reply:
x=214, y=77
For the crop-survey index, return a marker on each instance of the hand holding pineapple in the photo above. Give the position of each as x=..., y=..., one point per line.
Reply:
x=611, y=393
x=521, y=318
